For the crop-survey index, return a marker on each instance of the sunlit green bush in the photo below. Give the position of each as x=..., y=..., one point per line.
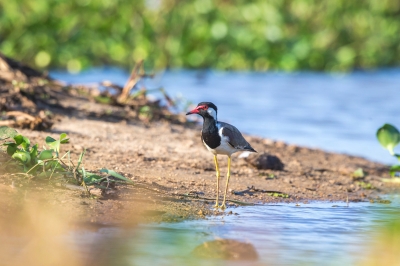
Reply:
x=258, y=34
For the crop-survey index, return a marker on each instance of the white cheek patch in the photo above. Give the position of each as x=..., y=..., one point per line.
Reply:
x=212, y=112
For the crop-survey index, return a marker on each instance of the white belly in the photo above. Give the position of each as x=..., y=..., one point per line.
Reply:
x=223, y=148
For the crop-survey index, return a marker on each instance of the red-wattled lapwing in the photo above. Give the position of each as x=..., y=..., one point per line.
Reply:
x=219, y=138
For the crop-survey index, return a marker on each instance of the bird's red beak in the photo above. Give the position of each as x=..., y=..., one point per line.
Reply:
x=194, y=111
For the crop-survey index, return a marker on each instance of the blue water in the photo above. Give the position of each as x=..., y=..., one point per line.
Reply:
x=334, y=112
x=285, y=234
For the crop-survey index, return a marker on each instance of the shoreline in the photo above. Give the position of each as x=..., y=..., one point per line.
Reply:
x=175, y=177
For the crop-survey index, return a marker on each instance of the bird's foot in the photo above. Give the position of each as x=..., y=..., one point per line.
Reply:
x=223, y=206
x=216, y=206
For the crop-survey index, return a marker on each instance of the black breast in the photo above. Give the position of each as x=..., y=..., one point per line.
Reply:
x=211, y=139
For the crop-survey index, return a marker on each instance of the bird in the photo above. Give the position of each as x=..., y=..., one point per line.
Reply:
x=220, y=138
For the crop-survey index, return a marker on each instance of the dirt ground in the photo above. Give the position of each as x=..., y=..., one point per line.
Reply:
x=174, y=174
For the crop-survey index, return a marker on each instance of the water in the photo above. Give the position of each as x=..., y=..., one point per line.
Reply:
x=334, y=112
x=284, y=234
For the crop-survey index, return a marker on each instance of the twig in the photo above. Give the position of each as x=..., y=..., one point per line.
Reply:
x=7, y=123
x=51, y=175
x=132, y=80
x=18, y=113
x=86, y=188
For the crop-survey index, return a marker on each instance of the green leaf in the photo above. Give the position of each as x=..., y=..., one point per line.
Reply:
x=103, y=99
x=90, y=178
x=394, y=169
x=54, y=165
x=25, y=143
x=83, y=173
x=115, y=174
x=54, y=144
x=63, y=138
x=7, y=132
x=11, y=149
x=80, y=159
x=365, y=185
x=22, y=156
x=358, y=173
x=388, y=137
x=45, y=155
x=18, y=139
x=94, y=176
x=34, y=153
x=145, y=111
x=49, y=140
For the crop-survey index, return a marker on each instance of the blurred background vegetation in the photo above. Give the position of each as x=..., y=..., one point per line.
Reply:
x=222, y=34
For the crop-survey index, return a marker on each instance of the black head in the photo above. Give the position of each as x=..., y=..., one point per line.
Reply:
x=206, y=110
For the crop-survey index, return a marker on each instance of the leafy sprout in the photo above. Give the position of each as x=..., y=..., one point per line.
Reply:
x=48, y=163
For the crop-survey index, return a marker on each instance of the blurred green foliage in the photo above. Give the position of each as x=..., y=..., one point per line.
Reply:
x=241, y=34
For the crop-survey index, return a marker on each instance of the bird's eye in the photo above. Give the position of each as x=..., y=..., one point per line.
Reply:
x=202, y=107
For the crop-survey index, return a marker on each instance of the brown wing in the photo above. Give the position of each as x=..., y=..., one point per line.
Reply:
x=236, y=139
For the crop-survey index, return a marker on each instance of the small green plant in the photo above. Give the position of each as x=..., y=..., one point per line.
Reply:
x=49, y=163
x=358, y=174
x=268, y=175
x=389, y=136
x=45, y=163
x=278, y=195
x=365, y=185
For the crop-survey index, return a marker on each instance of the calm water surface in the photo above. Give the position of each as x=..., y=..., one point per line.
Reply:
x=335, y=112
x=285, y=234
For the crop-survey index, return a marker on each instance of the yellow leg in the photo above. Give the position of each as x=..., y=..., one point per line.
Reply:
x=218, y=176
x=228, y=175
